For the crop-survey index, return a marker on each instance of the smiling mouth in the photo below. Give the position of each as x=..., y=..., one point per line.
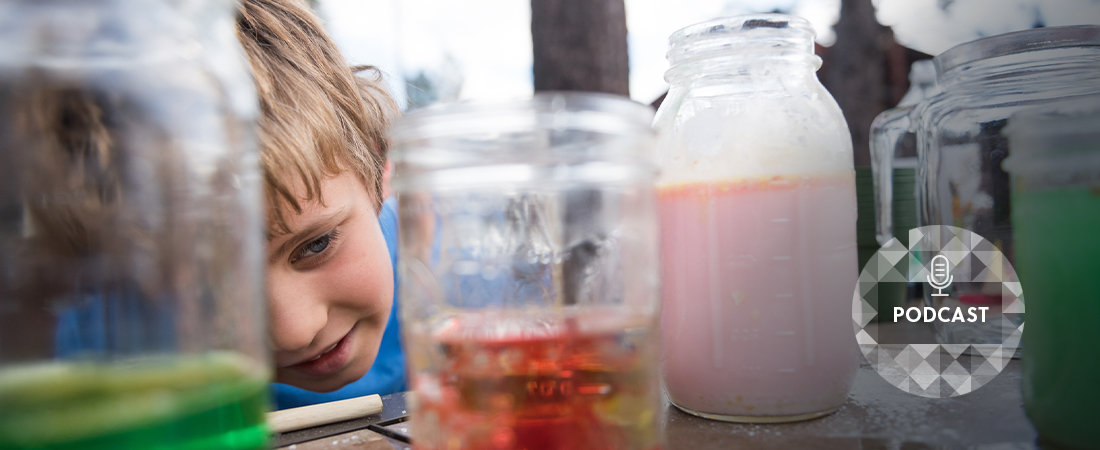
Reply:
x=326, y=351
x=329, y=361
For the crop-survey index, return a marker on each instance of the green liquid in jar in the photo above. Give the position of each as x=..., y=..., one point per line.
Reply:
x=208, y=402
x=1058, y=258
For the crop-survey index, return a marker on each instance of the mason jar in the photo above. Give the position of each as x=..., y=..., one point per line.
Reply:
x=1055, y=179
x=529, y=273
x=758, y=225
x=961, y=144
x=131, y=230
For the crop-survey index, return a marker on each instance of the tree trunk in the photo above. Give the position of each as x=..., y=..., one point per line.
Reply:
x=856, y=74
x=580, y=45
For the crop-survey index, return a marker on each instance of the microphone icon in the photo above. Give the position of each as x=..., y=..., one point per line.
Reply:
x=941, y=270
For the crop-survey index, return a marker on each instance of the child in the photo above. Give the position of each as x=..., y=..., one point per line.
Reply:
x=331, y=238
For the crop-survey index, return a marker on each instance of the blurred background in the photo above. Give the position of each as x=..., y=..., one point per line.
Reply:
x=437, y=50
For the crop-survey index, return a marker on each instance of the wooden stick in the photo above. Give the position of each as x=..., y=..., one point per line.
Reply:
x=323, y=413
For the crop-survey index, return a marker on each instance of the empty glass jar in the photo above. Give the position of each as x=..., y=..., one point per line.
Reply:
x=960, y=138
x=529, y=273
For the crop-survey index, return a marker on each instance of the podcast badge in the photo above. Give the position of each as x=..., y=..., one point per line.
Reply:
x=963, y=328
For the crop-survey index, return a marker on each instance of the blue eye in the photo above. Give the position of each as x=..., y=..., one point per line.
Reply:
x=318, y=245
x=315, y=247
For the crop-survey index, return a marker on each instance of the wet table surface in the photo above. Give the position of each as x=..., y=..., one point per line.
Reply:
x=877, y=415
x=880, y=416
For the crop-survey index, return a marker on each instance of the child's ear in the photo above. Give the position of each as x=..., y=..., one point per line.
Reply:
x=387, y=173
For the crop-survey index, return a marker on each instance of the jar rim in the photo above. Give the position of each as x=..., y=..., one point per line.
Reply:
x=1017, y=42
x=550, y=139
x=732, y=25
x=604, y=113
x=688, y=43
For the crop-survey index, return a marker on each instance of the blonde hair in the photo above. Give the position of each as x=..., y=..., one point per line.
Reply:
x=318, y=118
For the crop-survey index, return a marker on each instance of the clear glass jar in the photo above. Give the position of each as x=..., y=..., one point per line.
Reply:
x=894, y=149
x=961, y=145
x=1055, y=170
x=894, y=174
x=758, y=215
x=529, y=273
x=131, y=230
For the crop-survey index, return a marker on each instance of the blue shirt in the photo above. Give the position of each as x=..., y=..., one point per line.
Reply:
x=387, y=375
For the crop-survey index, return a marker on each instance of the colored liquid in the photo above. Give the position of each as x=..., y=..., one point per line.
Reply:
x=1058, y=260
x=210, y=402
x=758, y=278
x=573, y=383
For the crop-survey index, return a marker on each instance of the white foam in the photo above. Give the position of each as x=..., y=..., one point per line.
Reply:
x=719, y=138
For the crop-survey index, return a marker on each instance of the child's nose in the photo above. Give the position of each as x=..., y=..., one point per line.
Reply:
x=297, y=314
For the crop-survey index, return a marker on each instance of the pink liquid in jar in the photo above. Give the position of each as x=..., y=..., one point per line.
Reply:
x=758, y=277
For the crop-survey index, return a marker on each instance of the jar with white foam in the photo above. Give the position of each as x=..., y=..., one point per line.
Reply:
x=758, y=210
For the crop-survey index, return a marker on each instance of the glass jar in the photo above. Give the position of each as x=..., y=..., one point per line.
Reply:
x=1055, y=170
x=131, y=230
x=894, y=169
x=758, y=225
x=894, y=149
x=529, y=273
x=961, y=143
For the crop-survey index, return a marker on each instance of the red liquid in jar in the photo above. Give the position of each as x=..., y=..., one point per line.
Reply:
x=572, y=383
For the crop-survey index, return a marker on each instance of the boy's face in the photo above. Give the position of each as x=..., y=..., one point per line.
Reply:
x=330, y=288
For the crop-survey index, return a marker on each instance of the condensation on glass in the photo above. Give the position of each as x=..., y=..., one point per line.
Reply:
x=131, y=232
x=529, y=273
x=758, y=225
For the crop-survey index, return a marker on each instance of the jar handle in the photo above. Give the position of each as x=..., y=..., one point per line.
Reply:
x=882, y=163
